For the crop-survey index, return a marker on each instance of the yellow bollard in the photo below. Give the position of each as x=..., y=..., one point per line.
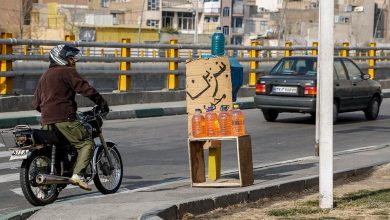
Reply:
x=102, y=52
x=88, y=52
x=240, y=54
x=199, y=54
x=5, y=65
x=254, y=53
x=231, y=53
x=70, y=37
x=287, y=51
x=189, y=54
x=116, y=53
x=124, y=81
x=371, y=62
x=154, y=53
x=142, y=53
x=345, y=52
x=41, y=52
x=314, y=52
x=25, y=50
x=268, y=55
x=173, y=79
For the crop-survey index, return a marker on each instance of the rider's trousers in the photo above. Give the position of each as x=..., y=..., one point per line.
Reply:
x=78, y=136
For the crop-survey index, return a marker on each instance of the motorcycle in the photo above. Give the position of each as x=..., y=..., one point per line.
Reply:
x=49, y=159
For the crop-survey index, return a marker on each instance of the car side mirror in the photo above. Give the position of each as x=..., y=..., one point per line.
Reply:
x=366, y=76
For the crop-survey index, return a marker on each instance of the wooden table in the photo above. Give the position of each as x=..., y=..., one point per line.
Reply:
x=244, y=161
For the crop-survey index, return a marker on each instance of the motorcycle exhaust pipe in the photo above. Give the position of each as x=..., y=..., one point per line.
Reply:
x=45, y=179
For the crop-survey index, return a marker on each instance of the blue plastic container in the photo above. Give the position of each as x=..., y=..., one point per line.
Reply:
x=237, y=73
x=218, y=43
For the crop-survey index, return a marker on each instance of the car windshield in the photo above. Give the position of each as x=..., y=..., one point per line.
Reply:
x=296, y=66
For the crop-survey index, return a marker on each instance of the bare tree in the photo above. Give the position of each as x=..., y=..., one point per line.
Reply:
x=25, y=15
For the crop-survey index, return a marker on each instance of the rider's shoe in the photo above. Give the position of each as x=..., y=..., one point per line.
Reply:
x=78, y=180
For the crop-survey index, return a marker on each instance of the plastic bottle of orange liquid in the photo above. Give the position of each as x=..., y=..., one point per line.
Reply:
x=238, y=121
x=198, y=124
x=212, y=124
x=225, y=121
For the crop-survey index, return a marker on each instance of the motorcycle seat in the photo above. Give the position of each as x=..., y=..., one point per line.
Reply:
x=45, y=137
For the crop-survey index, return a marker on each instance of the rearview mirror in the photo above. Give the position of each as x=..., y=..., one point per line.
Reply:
x=366, y=76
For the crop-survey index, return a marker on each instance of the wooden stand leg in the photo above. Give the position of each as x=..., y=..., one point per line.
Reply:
x=214, y=163
x=196, y=158
x=245, y=164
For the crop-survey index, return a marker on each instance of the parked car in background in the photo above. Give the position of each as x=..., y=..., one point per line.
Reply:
x=291, y=86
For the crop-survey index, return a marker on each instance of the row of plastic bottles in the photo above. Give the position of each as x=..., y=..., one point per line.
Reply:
x=211, y=124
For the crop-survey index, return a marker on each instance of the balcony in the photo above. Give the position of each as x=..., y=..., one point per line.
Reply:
x=210, y=27
x=238, y=30
x=238, y=9
x=212, y=8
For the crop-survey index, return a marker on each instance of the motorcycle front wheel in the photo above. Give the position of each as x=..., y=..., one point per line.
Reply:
x=37, y=195
x=108, y=180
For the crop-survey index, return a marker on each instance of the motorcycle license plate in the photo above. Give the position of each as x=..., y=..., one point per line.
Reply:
x=19, y=155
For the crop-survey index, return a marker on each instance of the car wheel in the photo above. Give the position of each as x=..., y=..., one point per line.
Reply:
x=335, y=113
x=270, y=115
x=372, y=110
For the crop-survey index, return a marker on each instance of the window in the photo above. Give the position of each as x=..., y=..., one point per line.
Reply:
x=295, y=66
x=104, y=3
x=237, y=40
x=263, y=26
x=115, y=19
x=226, y=11
x=153, y=5
x=152, y=23
x=353, y=72
x=340, y=71
x=209, y=19
x=226, y=30
x=237, y=22
x=167, y=18
x=186, y=21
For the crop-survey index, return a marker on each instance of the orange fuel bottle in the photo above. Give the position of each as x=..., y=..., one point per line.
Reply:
x=225, y=121
x=198, y=124
x=238, y=121
x=212, y=124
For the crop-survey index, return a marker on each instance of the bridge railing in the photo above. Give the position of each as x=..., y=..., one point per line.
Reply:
x=124, y=53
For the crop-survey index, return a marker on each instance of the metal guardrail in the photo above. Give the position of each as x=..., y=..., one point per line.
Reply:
x=255, y=54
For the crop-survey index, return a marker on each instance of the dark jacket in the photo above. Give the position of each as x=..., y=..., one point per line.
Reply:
x=56, y=91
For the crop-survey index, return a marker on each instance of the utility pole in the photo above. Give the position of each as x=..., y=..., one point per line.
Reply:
x=140, y=22
x=325, y=73
x=196, y=23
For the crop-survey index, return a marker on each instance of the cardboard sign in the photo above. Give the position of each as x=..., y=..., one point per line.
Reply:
x=208, y=83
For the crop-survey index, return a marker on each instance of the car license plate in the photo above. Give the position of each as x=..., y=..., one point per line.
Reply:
x=19, y=155
x=284, y=89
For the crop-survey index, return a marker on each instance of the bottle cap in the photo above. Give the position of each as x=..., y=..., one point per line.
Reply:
x=224, y=108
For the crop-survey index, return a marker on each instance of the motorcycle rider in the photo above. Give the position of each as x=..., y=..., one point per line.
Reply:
x=55, y=99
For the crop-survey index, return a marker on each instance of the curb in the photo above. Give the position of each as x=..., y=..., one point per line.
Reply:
x=138, y=113
x=203, y=205
x=20, y=215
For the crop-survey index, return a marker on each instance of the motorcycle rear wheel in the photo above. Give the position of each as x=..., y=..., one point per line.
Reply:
x=37, y=195
x=108, y=181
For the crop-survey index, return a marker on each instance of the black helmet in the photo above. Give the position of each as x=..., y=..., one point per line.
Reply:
x=60, y=53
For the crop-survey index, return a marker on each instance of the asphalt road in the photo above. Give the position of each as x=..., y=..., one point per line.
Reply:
x=154, y=150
